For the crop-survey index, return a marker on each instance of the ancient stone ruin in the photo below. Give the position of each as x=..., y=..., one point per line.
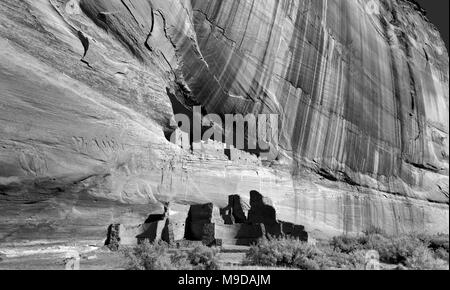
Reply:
x=236, y=224
x=214, y=149
x=244, y=225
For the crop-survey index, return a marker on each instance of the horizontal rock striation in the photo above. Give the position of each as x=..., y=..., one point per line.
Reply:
x=88, y=92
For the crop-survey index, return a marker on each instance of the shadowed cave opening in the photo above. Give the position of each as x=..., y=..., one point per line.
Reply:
x=182, y=105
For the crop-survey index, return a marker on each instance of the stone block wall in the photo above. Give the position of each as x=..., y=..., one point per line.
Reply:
x=236, y=224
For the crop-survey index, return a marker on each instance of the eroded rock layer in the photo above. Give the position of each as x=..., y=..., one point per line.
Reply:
x=360, y=87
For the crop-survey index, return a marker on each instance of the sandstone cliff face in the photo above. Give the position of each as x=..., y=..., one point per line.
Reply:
x=361, y=91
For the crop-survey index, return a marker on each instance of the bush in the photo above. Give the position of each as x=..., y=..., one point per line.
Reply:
x=180, y=261
x=282, y=252
x=148, y=256
x=423, y=259
x=438, y=244
x=158, y=256
x=347, y=244
x=338, y=260
x=344, y=252
x=442, y=254
x=306, y=257
x=394, y=250
x=292, y=253
x=204, y=258
x=262, y=254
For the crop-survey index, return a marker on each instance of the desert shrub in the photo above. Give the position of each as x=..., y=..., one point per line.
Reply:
x=148, y=256
x=347, y=244
x=282, y=252
x=180, y=261
x=304, y=263
x=422, y=258
x=262, y=254
x=438, y=244
x=292, y=253
x=345, y=252
x=392, y=250
x=159, y=256
x=333, y=259
x=306, y=257
x=442, y=254
x=204, y=258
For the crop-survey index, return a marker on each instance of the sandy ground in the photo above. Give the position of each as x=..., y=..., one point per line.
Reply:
x=93, y=257
x=52, y=257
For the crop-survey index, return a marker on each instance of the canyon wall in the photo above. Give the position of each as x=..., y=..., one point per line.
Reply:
x=87, y=97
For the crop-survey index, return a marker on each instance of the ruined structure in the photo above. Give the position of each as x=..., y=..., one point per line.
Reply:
x=237, y=155
x=235, y=224
x=243, y=228
x=89, y=89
